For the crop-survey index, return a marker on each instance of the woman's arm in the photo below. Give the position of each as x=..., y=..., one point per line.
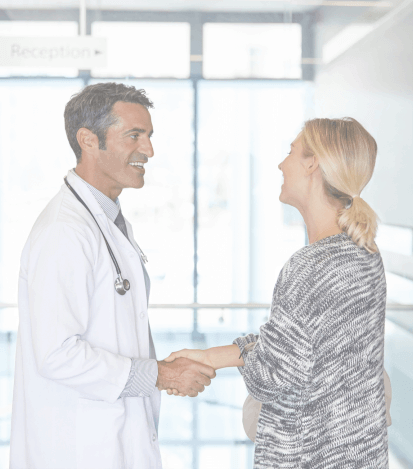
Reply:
x=215, y=357
x=280, y=359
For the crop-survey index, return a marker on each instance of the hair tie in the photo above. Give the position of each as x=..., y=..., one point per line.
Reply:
x=352, y=200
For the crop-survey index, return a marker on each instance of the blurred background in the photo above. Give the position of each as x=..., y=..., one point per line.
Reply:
x=232, y=82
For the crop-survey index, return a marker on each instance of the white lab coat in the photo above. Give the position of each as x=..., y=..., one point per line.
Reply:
x=76, y=336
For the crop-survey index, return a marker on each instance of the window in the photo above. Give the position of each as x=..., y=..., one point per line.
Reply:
x=162, y=213
x=386, y=234
x=252, y=50
x=34, y=157
x=138, y=49
x=245, y=131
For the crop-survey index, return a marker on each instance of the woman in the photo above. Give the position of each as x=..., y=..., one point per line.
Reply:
x=317, y=364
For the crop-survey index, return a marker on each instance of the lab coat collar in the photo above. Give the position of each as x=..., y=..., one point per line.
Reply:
x=117, y=236
x=81, y=188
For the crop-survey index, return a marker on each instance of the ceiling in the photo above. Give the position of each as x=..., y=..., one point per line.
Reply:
x=194, y=5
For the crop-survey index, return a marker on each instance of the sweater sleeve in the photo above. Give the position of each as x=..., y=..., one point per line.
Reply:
x=282, y=356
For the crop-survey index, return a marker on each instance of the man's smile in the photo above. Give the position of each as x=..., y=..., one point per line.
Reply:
x=138, y=166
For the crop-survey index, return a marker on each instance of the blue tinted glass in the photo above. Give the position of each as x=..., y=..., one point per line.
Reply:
x=35, y=157
x=245, y=131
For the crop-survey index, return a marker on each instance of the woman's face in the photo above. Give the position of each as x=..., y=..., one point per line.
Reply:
x=294, y=169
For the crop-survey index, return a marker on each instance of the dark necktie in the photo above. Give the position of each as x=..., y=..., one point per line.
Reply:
x=120, y=223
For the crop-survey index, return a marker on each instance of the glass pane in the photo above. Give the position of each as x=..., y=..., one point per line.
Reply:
x=230, y=457
x=34, y=158
x=386, y=234
x=252, y=50
x=176, y=421
x=245, y=131
x=138, y=49
x=225, y=408
x=228, y=321
x=162, y=212
x=164, y=319
x=176, y=457
x=38, y=29
x=399, y=289
x=398, y=358
x=8, y=335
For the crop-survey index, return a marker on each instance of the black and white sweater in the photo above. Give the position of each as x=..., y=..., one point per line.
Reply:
x=317, y=365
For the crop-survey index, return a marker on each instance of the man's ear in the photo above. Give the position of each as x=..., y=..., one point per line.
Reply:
x=87, y=140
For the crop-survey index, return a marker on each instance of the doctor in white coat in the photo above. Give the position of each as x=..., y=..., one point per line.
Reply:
x=87, y=382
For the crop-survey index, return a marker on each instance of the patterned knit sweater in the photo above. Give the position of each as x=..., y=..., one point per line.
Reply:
x=317, y=365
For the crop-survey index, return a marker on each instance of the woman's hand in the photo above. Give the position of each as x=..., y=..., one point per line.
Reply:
x=196, y=355
x=215, y=357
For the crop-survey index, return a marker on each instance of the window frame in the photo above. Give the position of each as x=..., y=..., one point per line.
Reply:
x=196, y=21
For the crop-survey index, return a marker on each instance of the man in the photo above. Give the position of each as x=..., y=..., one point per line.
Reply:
x=86, y=374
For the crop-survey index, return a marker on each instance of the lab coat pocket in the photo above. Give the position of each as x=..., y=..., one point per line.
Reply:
x=99, y=427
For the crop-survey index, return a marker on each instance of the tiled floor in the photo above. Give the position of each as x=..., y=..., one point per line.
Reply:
x=394, y=462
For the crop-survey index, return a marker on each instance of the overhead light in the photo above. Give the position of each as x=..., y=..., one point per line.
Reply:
x=346, y=38
x=353, y=33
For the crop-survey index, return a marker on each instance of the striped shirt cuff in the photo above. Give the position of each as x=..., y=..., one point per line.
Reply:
x=142, y=378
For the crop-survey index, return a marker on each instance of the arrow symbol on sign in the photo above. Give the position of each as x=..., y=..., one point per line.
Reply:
x=97, y=52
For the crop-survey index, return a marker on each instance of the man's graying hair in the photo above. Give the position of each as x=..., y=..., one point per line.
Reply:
x=92, y=108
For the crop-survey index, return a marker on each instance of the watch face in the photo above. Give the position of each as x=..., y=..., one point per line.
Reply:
x=126, y=284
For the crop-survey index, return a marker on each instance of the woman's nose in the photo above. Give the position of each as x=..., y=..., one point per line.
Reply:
x=279, y=167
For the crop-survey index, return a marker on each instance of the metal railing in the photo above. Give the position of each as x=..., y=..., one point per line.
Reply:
x=392, y=306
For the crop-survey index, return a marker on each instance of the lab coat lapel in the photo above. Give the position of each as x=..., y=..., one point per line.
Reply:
x=145, y=273
x=148, y=288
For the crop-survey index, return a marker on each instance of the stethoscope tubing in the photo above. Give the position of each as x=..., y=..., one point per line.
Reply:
x=87, y=208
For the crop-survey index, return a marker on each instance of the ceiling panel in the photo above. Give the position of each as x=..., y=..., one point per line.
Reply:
x=189, y=5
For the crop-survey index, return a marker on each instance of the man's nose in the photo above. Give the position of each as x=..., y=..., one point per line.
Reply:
x=279, y=166
x=147, y=148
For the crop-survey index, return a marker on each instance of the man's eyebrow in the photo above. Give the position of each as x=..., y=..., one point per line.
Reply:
x=135, y=129
x=140, y=131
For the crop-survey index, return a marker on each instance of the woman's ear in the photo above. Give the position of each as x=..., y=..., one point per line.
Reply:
x=311, y=164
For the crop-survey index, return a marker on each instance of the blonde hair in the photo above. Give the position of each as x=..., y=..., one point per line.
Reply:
x=347, y=155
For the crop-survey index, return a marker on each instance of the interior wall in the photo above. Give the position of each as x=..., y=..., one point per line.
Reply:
x=373, y=82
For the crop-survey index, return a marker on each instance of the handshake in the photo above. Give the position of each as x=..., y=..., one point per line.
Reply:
x=185, y=373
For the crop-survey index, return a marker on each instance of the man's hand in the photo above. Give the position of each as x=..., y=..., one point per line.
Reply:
x=197, y=355
x=187, y=377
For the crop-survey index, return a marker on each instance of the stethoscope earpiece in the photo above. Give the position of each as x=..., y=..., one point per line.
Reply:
x=121, y=285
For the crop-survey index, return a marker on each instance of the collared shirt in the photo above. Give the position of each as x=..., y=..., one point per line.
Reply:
x=144, y=371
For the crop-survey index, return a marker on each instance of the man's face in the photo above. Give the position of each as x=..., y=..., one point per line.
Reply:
x=127, y=143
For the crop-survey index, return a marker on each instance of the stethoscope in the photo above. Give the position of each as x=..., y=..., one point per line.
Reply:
x=121, y=285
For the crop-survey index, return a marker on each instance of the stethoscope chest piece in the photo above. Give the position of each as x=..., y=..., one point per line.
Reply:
x=121, y=285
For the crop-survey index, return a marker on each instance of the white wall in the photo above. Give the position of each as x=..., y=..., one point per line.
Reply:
x=373, y=82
